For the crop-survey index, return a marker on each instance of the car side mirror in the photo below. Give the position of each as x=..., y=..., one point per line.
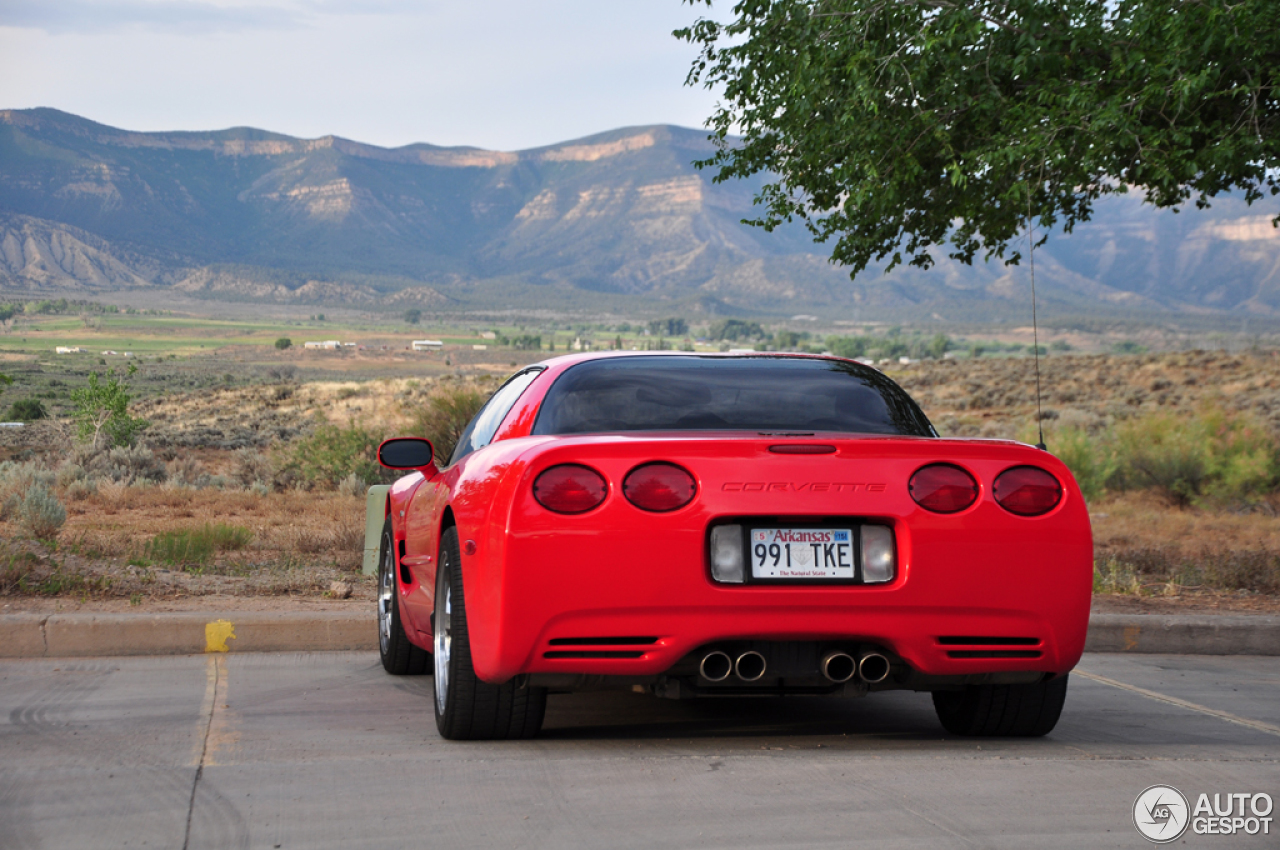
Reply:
x=405, y=453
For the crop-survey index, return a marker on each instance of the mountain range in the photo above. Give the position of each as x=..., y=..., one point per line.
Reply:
x=614, y=221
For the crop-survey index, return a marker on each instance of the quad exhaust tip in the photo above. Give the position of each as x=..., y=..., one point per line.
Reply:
x=873, y=668
x=716, y=666
x=750, y=666
x=838, y=666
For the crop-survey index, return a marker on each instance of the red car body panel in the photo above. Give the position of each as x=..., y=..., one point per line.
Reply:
x=533, y=576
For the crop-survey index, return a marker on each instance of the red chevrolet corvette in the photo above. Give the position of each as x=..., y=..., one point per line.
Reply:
x=702, y=525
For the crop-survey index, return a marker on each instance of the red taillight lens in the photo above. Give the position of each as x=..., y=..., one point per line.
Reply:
x=943, y=488
x=1027, y=491
x=659, y=487
x=569, y=489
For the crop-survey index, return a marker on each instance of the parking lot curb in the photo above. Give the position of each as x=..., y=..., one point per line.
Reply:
x=80, y=634
x=1184, y=634
x=71, y=635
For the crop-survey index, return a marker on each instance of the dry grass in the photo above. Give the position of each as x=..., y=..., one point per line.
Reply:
x=1145, y=547
x=301, y=543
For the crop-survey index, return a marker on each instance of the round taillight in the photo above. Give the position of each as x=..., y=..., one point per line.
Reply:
x=569, y=489
x=659, y=487
x=1027, y=491
x=943, y=488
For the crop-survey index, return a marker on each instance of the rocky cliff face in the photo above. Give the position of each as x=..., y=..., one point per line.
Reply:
x=244, y=213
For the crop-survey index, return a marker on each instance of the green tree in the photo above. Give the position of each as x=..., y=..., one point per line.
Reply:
x=413, y=316
x=5, y=380
x=102, y=411
x=668, y=327
x=284, y=342
x=735, y=329
x=892, y=126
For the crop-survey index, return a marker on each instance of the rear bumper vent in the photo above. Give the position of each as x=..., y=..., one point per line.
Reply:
x=982, y=647
x=585, y=642
x=597, y=653
x=994, y=653
x=603, y=641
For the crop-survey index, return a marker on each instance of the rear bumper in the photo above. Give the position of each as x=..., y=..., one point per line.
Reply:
x=936, y=641
x=636, y=602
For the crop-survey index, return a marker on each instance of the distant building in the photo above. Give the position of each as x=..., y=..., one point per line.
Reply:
x=489, y=335
x=70, y=349
x=427, y=344
x=580, y=344
x=479, y=347
x=111, y=353
x=325, y=345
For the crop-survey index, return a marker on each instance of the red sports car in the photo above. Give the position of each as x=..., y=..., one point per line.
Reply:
x=703, y=525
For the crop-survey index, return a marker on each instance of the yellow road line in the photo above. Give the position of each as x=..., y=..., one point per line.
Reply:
x=1182, y=703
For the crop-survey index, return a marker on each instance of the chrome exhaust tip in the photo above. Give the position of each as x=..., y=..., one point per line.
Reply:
x=716, y=666
x=750, y=666
x=838, y=666
x=873, y=668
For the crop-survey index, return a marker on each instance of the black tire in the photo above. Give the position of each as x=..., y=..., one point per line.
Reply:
x=1000, y=711
x=468, y=709
x=399, y=656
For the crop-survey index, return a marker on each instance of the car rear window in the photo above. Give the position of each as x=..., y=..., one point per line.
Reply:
x=678, y=393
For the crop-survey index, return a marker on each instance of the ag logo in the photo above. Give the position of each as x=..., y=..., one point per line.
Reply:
x=1161, y=814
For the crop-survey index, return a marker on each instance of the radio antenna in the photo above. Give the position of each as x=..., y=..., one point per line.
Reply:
x=1035, y=327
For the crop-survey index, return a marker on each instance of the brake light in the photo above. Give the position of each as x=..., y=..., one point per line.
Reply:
x=569, y=489
x=659, y=487
x=1027, y=491
x=943, y=488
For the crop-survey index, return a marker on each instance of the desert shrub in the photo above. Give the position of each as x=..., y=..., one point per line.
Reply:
x=26, y=410
x=16, y=480
x=1243, y=455
x=1214, y=454
x=128, y=465
x=250, y=466
x=445, y=415
x=80, y=489
x=1091, y=461
x=349, y=392
x=330, y=453
x=40, y=513
x=187, y=471
x=70, y=472
x=284, y=342
x=352, y=485
x=197, y=545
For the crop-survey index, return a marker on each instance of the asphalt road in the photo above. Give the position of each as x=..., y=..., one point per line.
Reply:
x=326, y=750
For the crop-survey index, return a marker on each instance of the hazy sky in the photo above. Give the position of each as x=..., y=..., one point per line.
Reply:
x=500, y=74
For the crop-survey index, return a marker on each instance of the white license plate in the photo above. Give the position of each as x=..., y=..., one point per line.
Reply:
x=802, y=553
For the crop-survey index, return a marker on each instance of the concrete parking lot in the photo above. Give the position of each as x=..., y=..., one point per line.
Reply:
x=312, y=750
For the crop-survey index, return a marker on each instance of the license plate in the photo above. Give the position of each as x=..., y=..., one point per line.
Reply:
x=802, y=553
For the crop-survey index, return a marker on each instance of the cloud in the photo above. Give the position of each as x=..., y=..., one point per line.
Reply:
x=181, y=16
